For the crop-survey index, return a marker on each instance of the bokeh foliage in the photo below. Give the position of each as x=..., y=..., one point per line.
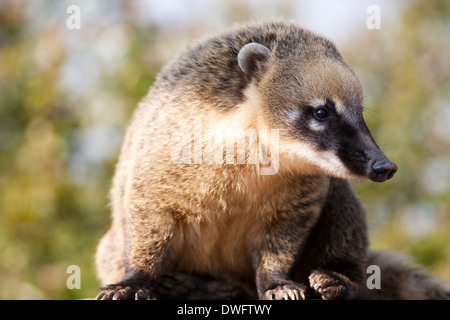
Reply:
x=67, y=95
x=406, y=74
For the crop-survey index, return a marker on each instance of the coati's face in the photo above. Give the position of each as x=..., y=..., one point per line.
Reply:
x=317, y=107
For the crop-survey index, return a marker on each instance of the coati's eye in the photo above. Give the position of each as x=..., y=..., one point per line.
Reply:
x=321, y=114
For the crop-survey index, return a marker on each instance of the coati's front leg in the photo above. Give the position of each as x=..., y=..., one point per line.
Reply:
x=282, y=242
x=147, y=240
x=337, y=248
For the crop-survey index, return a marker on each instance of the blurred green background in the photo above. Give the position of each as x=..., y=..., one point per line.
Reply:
x=66, y=97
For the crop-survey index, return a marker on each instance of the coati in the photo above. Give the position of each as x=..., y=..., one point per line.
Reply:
x=205, y=205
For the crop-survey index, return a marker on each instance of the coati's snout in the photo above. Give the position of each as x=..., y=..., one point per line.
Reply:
x=361, y=155
x=380, y=167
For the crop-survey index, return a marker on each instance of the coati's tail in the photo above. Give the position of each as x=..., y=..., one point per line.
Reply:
x=400, y=280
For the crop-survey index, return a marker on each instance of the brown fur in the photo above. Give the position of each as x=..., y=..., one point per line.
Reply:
x=279, y=236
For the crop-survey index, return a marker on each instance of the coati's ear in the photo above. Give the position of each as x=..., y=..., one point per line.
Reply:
x=251, y=57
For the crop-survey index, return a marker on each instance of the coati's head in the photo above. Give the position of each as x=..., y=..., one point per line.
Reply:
x=311, y=95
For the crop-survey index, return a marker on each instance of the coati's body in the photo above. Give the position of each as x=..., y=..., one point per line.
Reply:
x=276, y=231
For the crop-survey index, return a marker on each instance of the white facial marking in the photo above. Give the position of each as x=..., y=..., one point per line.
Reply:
x=340, y=109
x=314, y=125
x=318, y=103
x=327, y=161
x=293, y=114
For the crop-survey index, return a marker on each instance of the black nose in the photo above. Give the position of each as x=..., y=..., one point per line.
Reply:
x=382, y=170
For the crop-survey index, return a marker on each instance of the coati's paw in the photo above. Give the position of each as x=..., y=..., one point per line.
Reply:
x=119, y=292
x=328, y=284
x=293, y=291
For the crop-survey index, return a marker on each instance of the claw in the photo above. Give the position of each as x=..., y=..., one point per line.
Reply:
x=328, y=284
x=286, y=292
x=119, y=295
x=118, y=292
